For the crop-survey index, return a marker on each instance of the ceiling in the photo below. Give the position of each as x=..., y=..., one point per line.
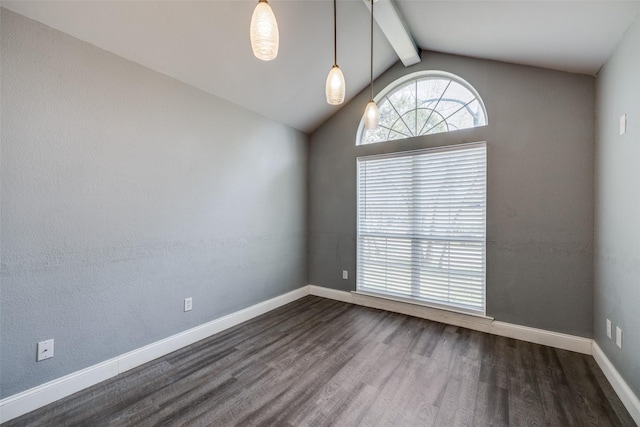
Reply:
x=206, y=43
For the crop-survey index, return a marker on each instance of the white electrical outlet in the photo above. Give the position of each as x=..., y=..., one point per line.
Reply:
x=618, y=336
x=345, y=274
x=45, y=350
x=623, y=124
x=188, y=304
x=609, y=328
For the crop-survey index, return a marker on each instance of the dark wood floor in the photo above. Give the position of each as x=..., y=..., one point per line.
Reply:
x=320, y=362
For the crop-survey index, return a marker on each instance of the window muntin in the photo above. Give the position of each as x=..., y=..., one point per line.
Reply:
x=422, y=226
x=425, y=103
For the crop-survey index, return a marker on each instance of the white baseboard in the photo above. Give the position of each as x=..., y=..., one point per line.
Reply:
x=543, y=337
x=457, y=319
x=37, y=397
x=477, y=323
x=333, y=294
x=29, y=400
x=622, y=389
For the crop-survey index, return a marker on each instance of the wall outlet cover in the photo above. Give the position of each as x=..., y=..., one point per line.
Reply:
x=188, y=304
x=609, y=328
x=345, y=274
x=623, y=124
x=45, y=350
x=618, y=336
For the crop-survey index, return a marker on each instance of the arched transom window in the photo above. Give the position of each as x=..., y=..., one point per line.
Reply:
x=425, y=103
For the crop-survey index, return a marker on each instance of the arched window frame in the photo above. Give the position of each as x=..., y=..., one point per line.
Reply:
x=419, y=75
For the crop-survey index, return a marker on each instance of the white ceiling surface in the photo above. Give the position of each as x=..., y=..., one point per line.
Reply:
x=206, y=43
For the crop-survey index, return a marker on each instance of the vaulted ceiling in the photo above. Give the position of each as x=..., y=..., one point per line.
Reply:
x=206, y=43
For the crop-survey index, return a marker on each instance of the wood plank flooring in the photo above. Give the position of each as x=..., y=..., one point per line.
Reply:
x=318, y=362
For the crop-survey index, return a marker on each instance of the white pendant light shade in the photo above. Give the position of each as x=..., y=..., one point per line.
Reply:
x=264, y=32
x=335, y=86
x=371, y=113
x=371, y=116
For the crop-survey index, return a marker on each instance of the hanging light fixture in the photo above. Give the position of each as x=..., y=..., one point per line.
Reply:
x=371, y=113
x=335, y=87
x=264, y=32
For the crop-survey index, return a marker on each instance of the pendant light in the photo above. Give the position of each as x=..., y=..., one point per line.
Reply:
x=371, y=113
x=335, y=86
x=264, y=32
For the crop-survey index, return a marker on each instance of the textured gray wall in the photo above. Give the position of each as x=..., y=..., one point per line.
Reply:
x=125, y=191
x=540, y=142
x=617, y=220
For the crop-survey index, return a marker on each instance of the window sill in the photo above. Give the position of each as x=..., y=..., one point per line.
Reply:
x=423, y=310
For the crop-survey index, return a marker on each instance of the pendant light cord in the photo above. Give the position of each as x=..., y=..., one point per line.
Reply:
x=335, y=35
x=372, y=50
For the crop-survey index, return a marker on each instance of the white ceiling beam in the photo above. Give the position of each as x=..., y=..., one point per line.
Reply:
x=395, y=30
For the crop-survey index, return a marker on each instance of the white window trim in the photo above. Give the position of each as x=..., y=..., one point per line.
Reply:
x=418, y=75
x=434, y=305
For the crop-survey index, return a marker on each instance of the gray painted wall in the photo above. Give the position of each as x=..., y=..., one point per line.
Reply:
x=540, y=142
x=617, y=220
x=125, y=191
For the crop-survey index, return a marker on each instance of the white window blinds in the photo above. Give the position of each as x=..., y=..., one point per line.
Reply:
x=421, y=225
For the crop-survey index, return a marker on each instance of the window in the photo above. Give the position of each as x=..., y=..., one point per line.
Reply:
x=425, y=103
x=421, y=226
